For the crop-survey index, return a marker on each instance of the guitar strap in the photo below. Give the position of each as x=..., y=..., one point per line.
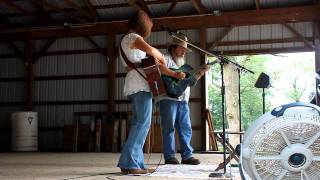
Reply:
x=129, y=63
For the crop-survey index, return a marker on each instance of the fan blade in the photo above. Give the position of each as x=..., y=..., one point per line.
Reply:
x=282, y=174
x=313, y=139
x=316, y=158
x=303, y=173
x=275, y=157
x=284, y=136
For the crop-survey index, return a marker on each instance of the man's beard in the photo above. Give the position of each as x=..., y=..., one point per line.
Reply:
x=180, y=61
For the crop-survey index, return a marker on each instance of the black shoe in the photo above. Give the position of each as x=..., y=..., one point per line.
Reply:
x=172, y=161
x=191, y=160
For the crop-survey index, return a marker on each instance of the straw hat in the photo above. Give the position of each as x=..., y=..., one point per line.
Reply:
x=178, y=42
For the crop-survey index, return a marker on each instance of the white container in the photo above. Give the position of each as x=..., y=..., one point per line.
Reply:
x=24, y=131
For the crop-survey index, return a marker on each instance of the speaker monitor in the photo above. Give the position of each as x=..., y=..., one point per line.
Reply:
x=263, y=81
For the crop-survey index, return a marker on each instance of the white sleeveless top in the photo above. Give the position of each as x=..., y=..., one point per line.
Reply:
x=133, y=82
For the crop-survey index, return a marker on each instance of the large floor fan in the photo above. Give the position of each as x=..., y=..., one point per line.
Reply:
x=283, y=144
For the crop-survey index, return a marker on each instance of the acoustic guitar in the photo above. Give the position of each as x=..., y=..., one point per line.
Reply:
x=153, y=76
x=175, y=87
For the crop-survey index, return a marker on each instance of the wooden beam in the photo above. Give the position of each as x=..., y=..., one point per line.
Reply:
x=30, y=73
x=237, y=18
x=306, y=42
x=316, y=32
x=23, y=10
x=170, y=9
x=219, y=39
x=103, y=52
x=16, y=50
x=140, y=5
x=266, y=51
x=4, y=19
x=61, y=10
x=197, y=4
x=158, y=46
x=264, y=41
x=43, y=50
x=79, y=9
x=257, y=3
x=39, y=5
x=111, y=71
x=92, y=10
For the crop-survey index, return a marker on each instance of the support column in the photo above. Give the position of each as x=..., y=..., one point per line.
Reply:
x=204, y=93
x=317, y=57
x=30, y=72
x=111, y=72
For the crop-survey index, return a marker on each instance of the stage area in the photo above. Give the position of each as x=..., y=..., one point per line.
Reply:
x=96, y=166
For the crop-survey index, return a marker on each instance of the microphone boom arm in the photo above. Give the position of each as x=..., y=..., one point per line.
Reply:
x=218, y=55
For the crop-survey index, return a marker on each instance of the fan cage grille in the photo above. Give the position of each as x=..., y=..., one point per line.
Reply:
x=271, y=138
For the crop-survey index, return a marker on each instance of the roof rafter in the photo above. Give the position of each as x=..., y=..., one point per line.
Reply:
x=257, y=3
x=98, y=48
x=79, y=9
x=197, y=4
x=43, y=50
x=172, y=6
x=16, y=50
x=224, y=34
x=236, y=18
x=61, y=10
x=140, y=4
x=23, y=10
x=306, y=42
x=5, y=21
x=40, y=7
x=92, y=10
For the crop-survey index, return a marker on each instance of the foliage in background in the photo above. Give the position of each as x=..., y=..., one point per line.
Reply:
x=251, y=97
x=292, y=79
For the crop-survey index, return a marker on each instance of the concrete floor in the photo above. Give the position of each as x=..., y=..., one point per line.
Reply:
x=78, y=166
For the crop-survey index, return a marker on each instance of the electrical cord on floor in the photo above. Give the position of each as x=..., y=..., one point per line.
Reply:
x=158, y=120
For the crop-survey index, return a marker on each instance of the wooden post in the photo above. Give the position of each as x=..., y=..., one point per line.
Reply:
x=204, y=93
x=30, y=72
x=111, y=72
x=317, y=56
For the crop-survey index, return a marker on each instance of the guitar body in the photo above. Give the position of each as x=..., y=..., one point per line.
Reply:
x=153, y=76
x=176, y=87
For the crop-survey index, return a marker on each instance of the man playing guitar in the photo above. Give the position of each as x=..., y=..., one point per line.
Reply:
x=174, y=111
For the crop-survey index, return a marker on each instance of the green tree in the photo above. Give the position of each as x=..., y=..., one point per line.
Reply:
x=251, y=97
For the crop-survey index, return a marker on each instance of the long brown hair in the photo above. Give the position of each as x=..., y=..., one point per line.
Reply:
x=141, y=23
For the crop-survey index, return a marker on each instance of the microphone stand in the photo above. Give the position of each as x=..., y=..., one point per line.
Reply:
x=221, y=60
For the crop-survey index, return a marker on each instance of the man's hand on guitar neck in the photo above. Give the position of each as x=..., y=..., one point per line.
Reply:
x=201, y=71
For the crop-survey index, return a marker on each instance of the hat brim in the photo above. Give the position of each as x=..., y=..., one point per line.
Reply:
x=173, y=44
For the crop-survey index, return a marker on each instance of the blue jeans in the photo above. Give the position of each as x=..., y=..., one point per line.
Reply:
x=132, y=152
x=175, y=114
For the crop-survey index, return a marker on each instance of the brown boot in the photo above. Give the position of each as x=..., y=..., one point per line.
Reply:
x=151, y=170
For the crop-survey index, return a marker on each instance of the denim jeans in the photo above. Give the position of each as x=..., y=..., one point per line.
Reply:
x=132, y=152
x=175, y=114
